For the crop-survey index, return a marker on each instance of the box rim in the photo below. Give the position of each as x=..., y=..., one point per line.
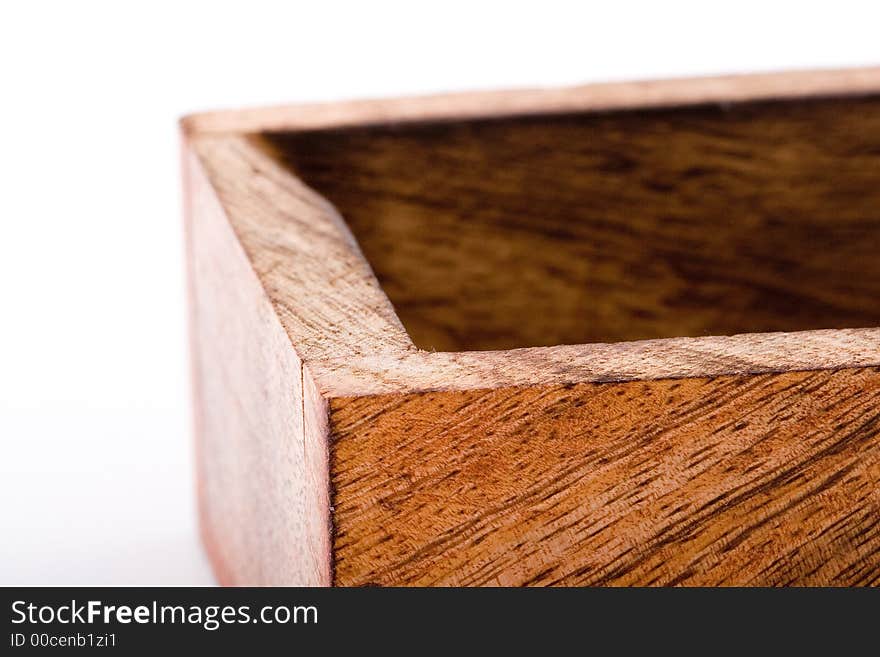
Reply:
x=382, y=358
x=592, y=97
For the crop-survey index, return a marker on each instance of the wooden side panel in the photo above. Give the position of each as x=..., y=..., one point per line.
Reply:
x=764, y=480
x=261, y=522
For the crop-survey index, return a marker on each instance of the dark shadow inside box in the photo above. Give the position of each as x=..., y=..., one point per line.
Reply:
x=604, y=227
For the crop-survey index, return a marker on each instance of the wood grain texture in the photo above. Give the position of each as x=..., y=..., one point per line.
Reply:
x=761, y=480
x=260, y=457
x=333, y=449
x=643, y=360
x=611, y=227
x=323, y=290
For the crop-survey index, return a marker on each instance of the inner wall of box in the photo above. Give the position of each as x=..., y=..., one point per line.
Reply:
x=496, y=234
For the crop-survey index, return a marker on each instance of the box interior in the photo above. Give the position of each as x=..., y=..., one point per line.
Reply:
x=613, y=226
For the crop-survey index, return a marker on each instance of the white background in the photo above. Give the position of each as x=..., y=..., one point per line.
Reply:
x=95, y=459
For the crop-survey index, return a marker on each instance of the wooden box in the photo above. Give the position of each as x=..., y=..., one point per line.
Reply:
x=618, y=334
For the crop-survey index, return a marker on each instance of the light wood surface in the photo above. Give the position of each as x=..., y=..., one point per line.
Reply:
x=262, y=481
x=619, y=334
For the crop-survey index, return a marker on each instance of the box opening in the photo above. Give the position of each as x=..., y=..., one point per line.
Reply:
x=605, y=227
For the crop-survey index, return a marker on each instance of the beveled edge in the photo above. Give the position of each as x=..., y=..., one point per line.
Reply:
x=342, y=324
x=601, y=96
x=642, y=360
